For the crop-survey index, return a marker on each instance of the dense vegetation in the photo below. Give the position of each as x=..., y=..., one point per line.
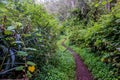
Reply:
x=99, y=33
x=61, y=66
x=28, y=43
x=31, y=37
x=26, y=33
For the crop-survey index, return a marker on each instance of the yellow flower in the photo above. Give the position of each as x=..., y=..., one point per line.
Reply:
x=31, y=68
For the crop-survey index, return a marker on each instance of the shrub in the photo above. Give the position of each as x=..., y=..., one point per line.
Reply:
x=28, y=26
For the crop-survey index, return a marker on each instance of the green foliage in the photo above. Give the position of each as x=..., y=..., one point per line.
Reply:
x=61, y=67
x=100, y=34
x=13, y=57
x=19, y=68
x=100, y=70
x=30, y=63
x=66, y=64
x=29, y=32
x=51, y=73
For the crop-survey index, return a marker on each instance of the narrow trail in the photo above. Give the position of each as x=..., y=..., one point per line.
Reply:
x=82, y=72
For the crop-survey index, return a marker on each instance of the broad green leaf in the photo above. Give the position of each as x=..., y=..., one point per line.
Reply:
x=22, y=53
x=31, y=49
x=17, y=42
x=96, y=5
x=26, y=35
x=11, y=28
x=8, y=32
x=117, y=21
x=18, y=24
x=38, y=34
x=104, y=3
x=31, y=63
x=29, y=75
x=19, y=68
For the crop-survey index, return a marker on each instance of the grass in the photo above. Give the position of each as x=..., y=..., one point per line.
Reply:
x=60, y=67
x=60, y=47
x=62, y=38
x=99, y=70
x=66, y=61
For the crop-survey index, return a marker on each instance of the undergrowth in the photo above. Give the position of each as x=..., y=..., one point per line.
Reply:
x=100, y=70
x=61, y=66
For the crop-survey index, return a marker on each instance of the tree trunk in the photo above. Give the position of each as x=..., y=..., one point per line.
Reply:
x=108, y=6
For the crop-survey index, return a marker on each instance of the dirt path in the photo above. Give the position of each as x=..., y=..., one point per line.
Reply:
x=82, y=72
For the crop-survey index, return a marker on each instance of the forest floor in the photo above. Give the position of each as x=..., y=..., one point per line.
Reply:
x=82, y=72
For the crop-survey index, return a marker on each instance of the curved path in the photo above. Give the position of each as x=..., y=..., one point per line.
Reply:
x=82, y=72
